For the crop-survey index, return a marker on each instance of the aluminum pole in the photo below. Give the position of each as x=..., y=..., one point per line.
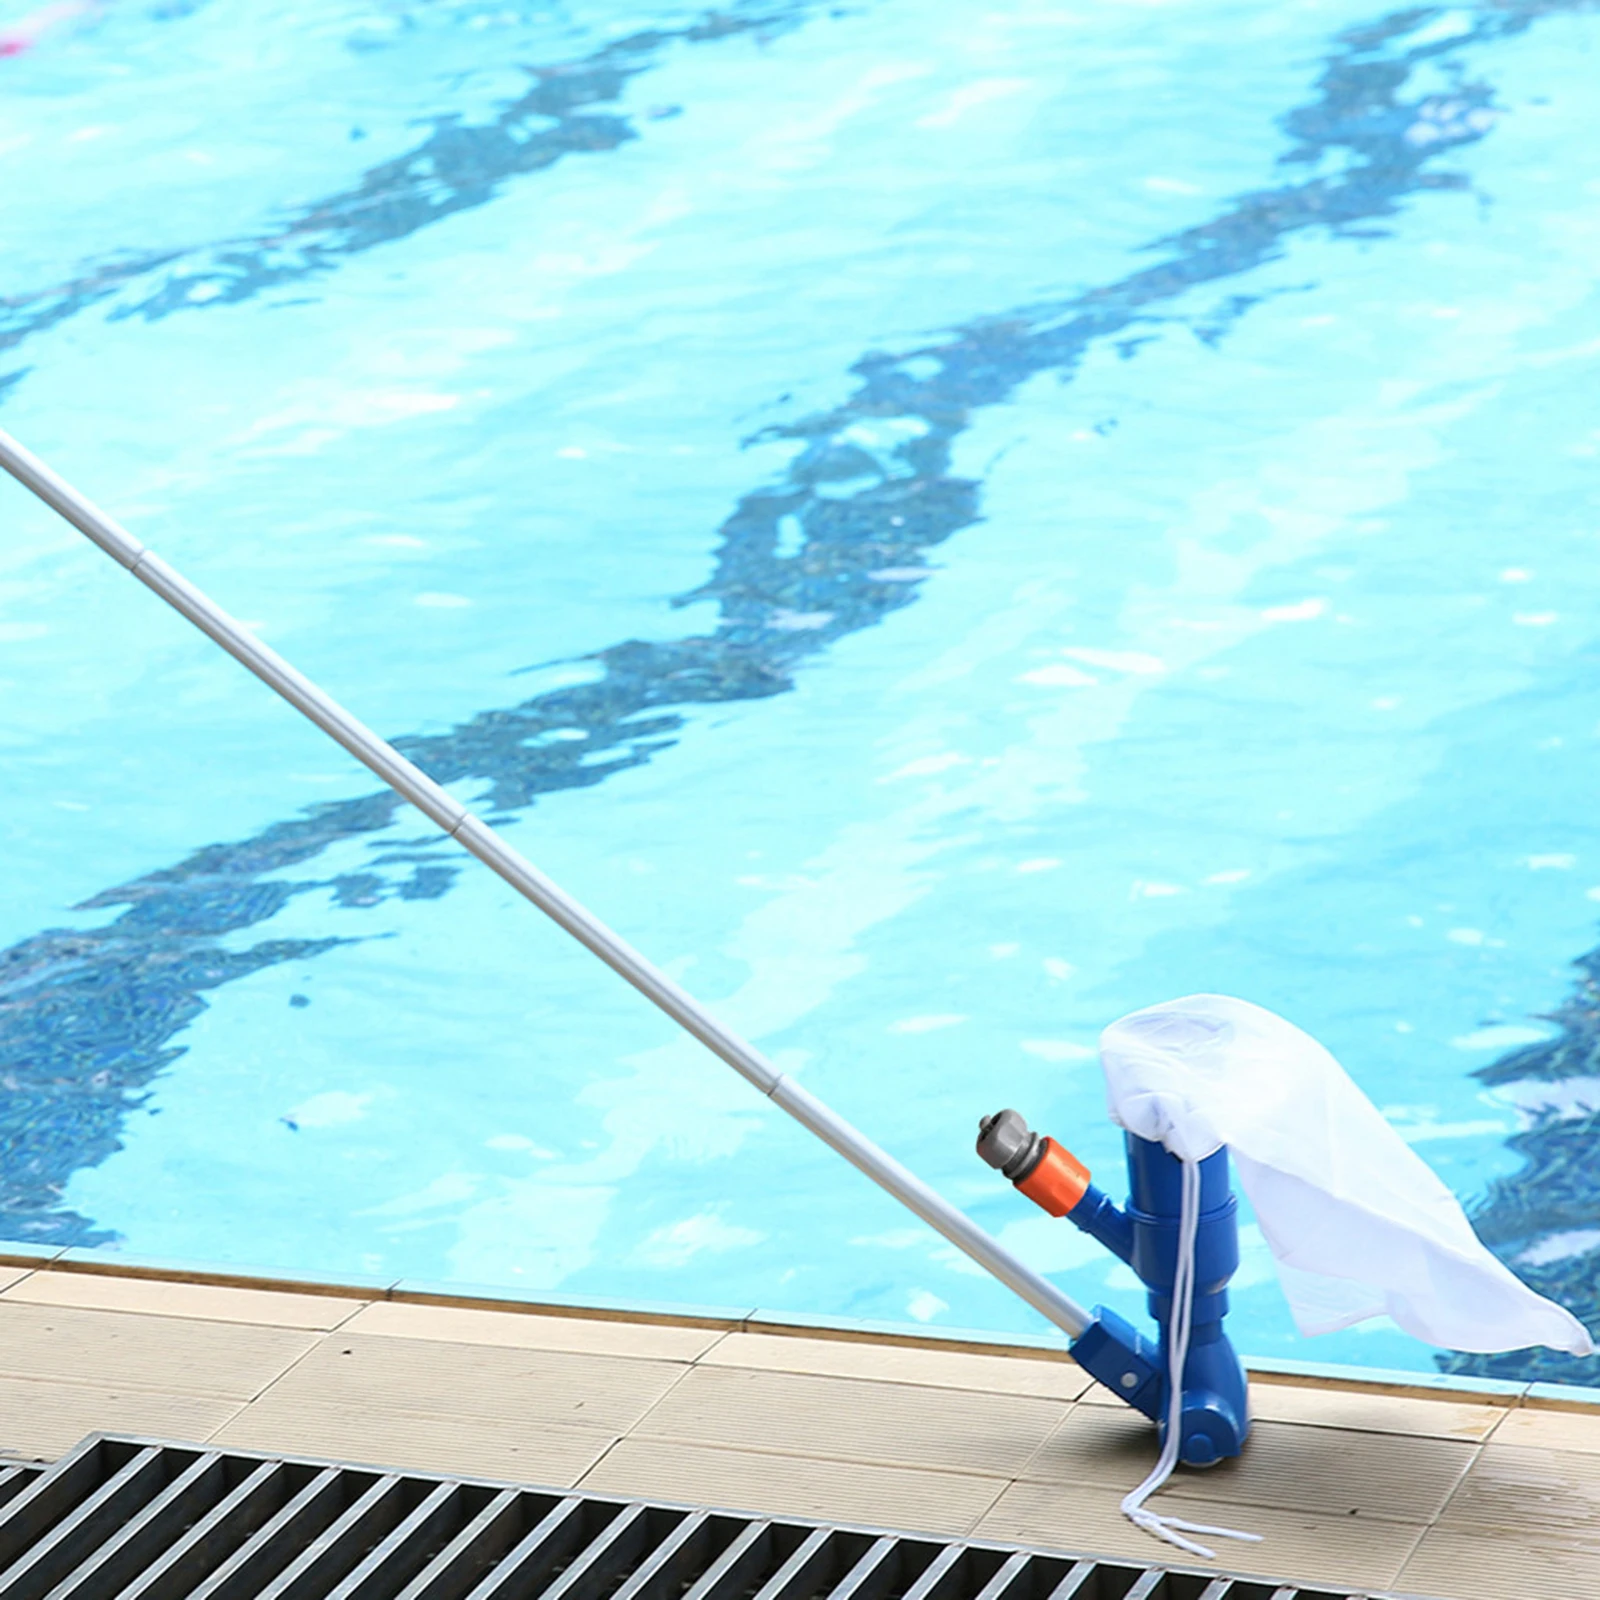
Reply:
x=487, y=845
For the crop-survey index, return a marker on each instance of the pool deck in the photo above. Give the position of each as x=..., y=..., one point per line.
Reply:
x=1491, y=1495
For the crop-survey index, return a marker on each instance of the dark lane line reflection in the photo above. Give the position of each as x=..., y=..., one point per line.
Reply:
x=459, y=166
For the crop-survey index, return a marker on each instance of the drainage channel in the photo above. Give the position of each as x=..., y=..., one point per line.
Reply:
x=143, y=1519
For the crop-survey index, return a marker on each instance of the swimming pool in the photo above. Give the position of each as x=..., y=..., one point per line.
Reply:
x=944, y=524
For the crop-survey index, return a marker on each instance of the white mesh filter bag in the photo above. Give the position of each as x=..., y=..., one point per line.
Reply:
x=1358, y=1224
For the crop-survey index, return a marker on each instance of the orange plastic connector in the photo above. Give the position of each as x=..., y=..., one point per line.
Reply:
x=1058, y=1182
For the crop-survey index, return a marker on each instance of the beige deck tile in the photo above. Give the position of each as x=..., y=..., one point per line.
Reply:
x=1325, y=1406
x=1364, y=1553
x=887, y=1363
x=847, y=1419
x=42, y=1420
x=1542, y=1428
x=521, y=1330
x=1501, y=1564
x=833, y=1491
x=472, y=1446
x=209, y=1302
x=1313, y=1469
x=118, y=1349
x=10, y=1276
x=528, y=1388
x=1511, y=1486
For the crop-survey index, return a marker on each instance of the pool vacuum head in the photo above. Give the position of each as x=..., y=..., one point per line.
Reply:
x=1215, y=1417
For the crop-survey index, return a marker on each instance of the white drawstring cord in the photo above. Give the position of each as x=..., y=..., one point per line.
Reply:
x=1133, y=1507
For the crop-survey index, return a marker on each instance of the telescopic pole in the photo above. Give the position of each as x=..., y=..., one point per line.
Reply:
x=482, y=841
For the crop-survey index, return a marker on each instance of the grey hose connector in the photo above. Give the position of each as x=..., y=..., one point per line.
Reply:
x=499, y=856
x=1007, y=1143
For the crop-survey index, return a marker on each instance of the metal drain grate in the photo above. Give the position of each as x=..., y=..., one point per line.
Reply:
x=145, y=1520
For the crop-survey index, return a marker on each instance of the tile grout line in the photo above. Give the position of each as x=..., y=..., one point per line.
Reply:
x=1038, y=1449
x=634, y=1426
x=349, y=1316
x=721, y=1339
x=322, y=1336
x=1460, y=1483
x=140, y=1385
x=320, y=1339
x=1416, y=1545
x=401, y=1409
x=1504, y=1412
x=594, y=1466
x=239, y=1410
x=1006, y=1486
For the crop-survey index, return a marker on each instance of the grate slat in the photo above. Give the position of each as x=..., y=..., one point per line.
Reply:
x=390, y=1562
x=478, y=1546
x=1000, y=1586
x=873, y=1573
x=1080, y=1583
x=341, y=1544
x=1149, y=1585
x=684, y=1549
x=803, y=1571
x=269, y=1549
x=957, y=1570
x=142, y=1519
x=735, y=1571
x=543, y=1550
x=14, y=1479
x=587, y=1576
x=30, y=1514
x=49, y=1559
x=194, y=1552
x=106, y=1573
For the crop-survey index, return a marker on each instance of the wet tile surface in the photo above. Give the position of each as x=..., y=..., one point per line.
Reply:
x=1503, y=1564
x=1537, y=1428
x=1329, y=1471
x=1446, y=1417
x=1303, y=1545
x=1529, y=1490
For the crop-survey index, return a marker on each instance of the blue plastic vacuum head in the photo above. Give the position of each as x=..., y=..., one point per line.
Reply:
x=1215, y=1418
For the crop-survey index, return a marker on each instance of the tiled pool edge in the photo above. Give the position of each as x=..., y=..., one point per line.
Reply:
x=1456, y=1496
x=1269, y=1370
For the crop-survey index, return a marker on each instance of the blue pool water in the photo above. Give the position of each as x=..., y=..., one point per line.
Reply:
x=944, y=523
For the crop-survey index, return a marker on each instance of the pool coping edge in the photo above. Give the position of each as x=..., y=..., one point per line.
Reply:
x=784, y=1324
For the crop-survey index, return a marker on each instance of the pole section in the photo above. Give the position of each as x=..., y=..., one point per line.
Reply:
x=499, y=856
